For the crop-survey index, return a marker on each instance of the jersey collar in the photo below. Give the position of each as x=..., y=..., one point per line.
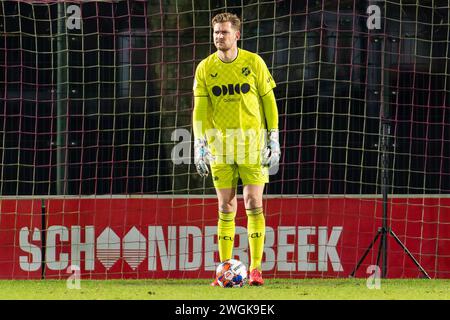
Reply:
x=237, y=56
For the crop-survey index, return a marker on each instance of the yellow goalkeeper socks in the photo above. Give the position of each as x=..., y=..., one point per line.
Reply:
x=225, y=233
x=256, y=229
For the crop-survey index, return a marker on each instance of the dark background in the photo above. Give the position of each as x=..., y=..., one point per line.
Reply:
x=129, y=86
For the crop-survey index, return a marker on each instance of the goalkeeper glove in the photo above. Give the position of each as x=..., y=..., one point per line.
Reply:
x=271, y=153
x=202, y=157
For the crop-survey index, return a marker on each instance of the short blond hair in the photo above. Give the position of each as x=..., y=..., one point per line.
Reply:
x=227, y=17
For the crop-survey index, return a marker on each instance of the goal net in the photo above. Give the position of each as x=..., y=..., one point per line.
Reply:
x=96, y=137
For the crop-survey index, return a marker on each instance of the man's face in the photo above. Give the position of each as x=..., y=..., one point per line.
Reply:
x=225, y=36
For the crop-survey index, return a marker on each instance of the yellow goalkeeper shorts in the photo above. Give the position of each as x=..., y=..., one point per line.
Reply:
x=226, y=176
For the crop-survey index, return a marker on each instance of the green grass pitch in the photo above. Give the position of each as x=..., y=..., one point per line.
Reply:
x=199, y=289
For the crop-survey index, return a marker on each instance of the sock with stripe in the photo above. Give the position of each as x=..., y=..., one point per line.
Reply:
x=256, y=228
x=225, y=234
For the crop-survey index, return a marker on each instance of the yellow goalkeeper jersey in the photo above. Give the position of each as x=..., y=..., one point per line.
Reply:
x=234, y=90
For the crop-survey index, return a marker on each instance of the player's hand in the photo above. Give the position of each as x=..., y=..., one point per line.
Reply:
x=272, y=152
x=202, y=157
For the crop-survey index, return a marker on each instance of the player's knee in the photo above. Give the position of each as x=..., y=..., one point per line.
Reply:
x=252, y=202
x=227, y=206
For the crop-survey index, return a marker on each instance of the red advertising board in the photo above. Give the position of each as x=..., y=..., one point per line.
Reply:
x=176, y=237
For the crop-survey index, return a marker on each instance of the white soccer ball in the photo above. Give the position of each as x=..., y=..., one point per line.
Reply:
x=231, y=273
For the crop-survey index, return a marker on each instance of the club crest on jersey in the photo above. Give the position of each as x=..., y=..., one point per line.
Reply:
x=231, y=89
x=245, y=71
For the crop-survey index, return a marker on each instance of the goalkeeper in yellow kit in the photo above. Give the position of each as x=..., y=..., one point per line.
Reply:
x=235, y=124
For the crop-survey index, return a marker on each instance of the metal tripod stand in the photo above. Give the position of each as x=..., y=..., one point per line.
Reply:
x=385, y=230
x=378, y=80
